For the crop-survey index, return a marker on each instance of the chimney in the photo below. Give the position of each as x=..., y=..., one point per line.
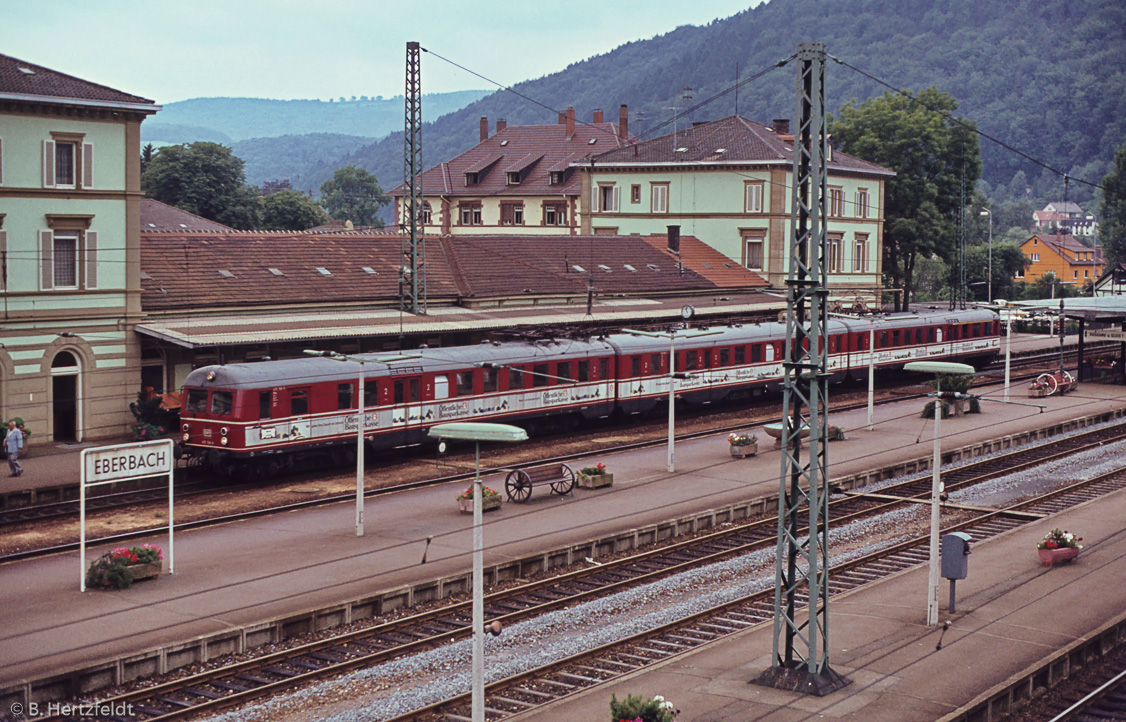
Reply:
x=570, y=121
x=674, y=239
x=598, y=115
x=484, y=128
x=623, y=122
x=782, y=126
x=501, y=124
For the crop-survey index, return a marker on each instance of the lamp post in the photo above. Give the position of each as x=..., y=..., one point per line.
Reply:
x=671, y=336
x=478, y=432
x=360, y=420
x=937, y=368
x=985, y=212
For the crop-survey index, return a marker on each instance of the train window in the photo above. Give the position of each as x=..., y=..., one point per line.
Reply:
x=862, y=342
x=264, y=404
x=756, y=353
x=635, y=366
x=655, y=364
x=344, y=396
x=441, y=386
x=691, y=360
x=883, y=341
x=563, y=371
x=539, y=375
x=298, y=401
x=603, y=369
x=895, y=338
x=584, y=370
x=414, y=396
x=725, y=357
x=400, y=391
x=464, y=383
x=515, y=378
x=488, y=380
x=197, y=401
x=371, y=393
x=740, y=355
x=221, y=403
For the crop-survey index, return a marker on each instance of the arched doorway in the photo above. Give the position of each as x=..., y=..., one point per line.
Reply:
x=65, y=372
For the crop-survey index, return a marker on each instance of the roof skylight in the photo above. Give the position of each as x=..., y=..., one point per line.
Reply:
x=630, y=268
x=323, y=271
x=651, y=267
x=369, y=270
x=578, y=268
x=604, y=268
x=225, y=273
x=145, y=276
x=275, y=271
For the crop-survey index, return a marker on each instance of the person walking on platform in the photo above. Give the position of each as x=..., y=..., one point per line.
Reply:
x=13, y=445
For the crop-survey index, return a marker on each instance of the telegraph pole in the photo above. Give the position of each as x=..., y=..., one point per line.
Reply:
x=412, y=271
x=801, y=654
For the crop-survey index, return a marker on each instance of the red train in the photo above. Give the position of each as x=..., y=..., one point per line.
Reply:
x=256, y=416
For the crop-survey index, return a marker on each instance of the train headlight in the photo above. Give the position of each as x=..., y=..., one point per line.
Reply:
x=223, y=441
x=185, y=436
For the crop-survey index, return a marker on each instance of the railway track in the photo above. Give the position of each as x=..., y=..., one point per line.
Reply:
x=284, y=670
x=107, y=502
x=1098, y=694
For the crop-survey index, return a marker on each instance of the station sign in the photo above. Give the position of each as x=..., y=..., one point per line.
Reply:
x=114, y=463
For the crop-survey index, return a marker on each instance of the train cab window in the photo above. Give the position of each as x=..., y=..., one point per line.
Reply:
x=539, y=375
x=489, y=380
x=221, y=403
x=197, y=401
x=515, y=378
x=464, y=383
x=725, y=357
x=563, y=371
x=756, y=353
x=298, y=401
x=264, y=404
x=344, y=396
x=635, y=366
x=584, y=370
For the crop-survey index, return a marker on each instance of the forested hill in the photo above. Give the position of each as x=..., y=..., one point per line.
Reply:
x=1045, y=76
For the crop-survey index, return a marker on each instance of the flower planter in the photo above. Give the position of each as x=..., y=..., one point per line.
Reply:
x=1062, y=555
x=744, y=450
x=489, y=503
x=1037, y=393
x=595, y=481
x=151, y=570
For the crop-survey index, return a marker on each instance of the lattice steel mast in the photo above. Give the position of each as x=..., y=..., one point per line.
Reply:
x=801, y=656
x=412, y=272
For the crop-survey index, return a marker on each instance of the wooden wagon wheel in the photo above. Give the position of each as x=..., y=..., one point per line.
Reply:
x=518, y=486
x=1048, y=380
x=566, y=483
x=1068, y=382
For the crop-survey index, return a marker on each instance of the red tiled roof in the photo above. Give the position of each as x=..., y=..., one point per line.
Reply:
x=710, y=263
x=22, y=78
x=157, y=216
x=1061, y=242
x=729, y=140
x=520, y=145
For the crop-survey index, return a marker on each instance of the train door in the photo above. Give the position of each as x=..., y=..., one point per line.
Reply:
x=406, y=395
x=769, y=351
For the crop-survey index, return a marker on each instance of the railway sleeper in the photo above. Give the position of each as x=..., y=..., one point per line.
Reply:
x=174, y=702
x=202, y=692
x=258, y=680
x=530, y=692
x=583, y=680
x=514, y=702
x=229, y=686
x=280, y=671
x=331, y=656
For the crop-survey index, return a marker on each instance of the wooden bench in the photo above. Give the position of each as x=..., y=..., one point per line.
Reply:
x=519, y=482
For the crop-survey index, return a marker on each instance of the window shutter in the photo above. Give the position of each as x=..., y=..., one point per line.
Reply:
x=87, y=165
x=1, y=161
x=593, y=198
x=617, y=198
x=91, y=259
x=3, y=260
x=46, y=260
x=48, y=164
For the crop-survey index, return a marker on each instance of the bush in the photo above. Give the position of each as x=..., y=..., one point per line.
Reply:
x=642, y=709
x=110, y=569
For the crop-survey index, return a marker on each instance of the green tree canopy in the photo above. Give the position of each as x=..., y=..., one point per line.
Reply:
x=1112, y=231
x=290, y=210
x=931, y=156
x=354, y=195
x=202, y=178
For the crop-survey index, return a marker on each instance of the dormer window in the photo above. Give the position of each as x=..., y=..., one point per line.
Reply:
x=513, y=178
x=556, y=177
x=471, y=178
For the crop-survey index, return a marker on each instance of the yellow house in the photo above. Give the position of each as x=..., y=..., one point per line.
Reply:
x=1063, y=256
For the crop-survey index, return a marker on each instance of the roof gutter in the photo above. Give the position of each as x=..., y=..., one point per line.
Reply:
x=117, y=105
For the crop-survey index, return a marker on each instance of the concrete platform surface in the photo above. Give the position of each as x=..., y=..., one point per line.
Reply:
x=1011, y=614
x=243, y=573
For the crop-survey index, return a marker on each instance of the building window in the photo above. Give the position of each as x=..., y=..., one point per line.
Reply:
x=512, y=214
x=555, y=214
x=471, y=179
x=754, y=246
x=860, y=258
x=1075, y=274
x=64, y=165
x=513, y=178
x=65, y=254
x=1035, y=257
x=659, y=198
x=608, y=198
x=836, y=202
x=427, y=215
x=752, y=197
x=862, y=203
x=556, y=177
x=470, y=214
x=834, y=250
x=635, y=193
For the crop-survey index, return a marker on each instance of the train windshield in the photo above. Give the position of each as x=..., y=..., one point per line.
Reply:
x=221, y=403
x=197, y=401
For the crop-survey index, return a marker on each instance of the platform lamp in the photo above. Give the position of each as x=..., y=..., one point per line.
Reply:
x=937, y=368
x=672, y=336
x=478, y=432
x=361, y=418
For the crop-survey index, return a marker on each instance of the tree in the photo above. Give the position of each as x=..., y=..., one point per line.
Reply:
x=932, y=155
x=354, y=195
x=1112, y=231
x=290, y=210
x=203, y=178
x=146, y=157
x=273, y=186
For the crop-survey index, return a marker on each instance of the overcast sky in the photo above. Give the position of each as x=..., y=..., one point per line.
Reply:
x=169, y=50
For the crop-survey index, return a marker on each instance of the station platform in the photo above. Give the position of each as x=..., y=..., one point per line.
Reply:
x=234, y=580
